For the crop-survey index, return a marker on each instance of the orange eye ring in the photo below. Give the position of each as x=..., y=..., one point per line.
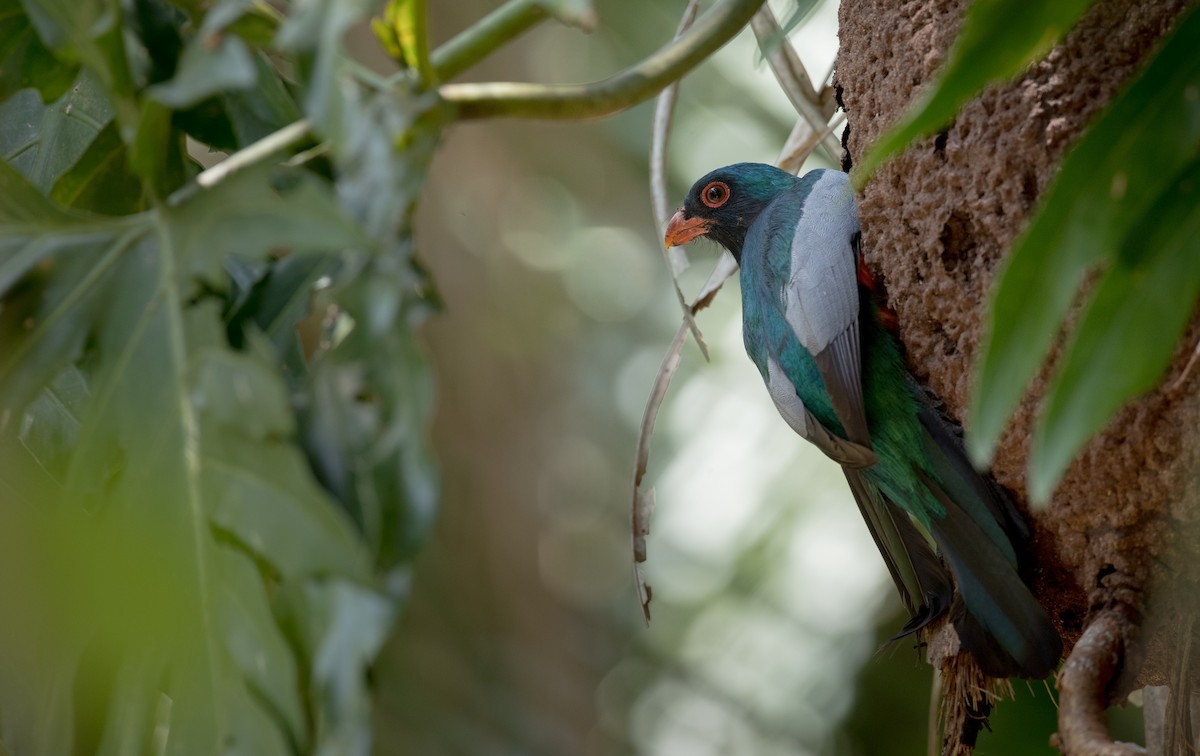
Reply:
x=715, y=194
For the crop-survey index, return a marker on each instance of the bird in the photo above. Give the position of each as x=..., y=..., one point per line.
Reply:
x=836, y=373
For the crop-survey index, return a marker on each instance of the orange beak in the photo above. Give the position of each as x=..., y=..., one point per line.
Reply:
x=681, y=229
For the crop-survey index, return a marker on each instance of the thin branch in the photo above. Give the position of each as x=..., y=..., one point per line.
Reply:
x=616, y=93
x=1179, y=382
x=660, y=128
x=782, y=57
x=484, y=36
x=247, y=156
x=792, y=76
x=803, y=140
x=643, y=501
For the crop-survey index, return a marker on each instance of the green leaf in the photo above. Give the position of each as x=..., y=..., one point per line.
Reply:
x=1125, y=337
x=1108, y=197
x=319, y=28
x=89, y=32
x=255, y=477
x=372, y=391
x=345, y=626
x=275, y=211
x=274, y=302
x=58, y=410
x=998, y=40
x=206, y=70
x=156, y=502
x=45, y=141
x=157, y=153
x=237, y=118
x=258, y=25
x=369, y=404
x=100, y=181
x=25, y=61
x=63, y=24
x=366, y=400
x=262, y=109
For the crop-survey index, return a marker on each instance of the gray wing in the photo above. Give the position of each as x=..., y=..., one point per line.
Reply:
x=821, y=296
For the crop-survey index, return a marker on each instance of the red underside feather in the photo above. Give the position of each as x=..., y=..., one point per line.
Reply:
x=887, y=316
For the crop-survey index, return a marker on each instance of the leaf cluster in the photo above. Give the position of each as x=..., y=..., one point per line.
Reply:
x=213, y=406
x=1116, y=230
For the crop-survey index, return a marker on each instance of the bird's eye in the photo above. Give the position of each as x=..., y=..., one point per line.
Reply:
x=715, y=194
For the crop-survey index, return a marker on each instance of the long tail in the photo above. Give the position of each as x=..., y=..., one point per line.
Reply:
x=1000, y=621
x=920, y=578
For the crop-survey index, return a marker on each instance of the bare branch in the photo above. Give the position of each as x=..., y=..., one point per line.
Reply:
x=782, y=57
x=802, y=141
x=1083, y=683
x=485, y=35
x=246, y=157
x=660, y=129
x=1179, y=382
x=616, y=93
x=643, y=501
x=792, y=76
x=664, y=112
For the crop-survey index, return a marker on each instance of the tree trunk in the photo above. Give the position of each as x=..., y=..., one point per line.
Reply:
x=936, y=223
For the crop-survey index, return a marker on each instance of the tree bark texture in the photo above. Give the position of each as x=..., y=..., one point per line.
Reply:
x=937, y=221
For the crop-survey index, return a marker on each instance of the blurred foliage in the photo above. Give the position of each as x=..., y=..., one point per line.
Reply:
x=1123, y=206
x=213, y=408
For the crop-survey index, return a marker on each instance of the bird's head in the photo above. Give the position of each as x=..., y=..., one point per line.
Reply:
x=723, y=204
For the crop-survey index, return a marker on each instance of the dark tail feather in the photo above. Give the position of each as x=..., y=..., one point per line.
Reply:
x=984, y=537
x=1001, y=623
x=924, y=586
x=980, y=494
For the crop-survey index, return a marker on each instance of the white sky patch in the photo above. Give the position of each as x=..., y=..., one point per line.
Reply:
x=844, y=578
x=675, y=719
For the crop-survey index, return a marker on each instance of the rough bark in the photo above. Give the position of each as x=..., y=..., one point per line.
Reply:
x=938, y=220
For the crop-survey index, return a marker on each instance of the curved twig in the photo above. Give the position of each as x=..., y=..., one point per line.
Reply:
x=1083, y=683
x=276, y=141
x=803, y=140
x=625, y=89
x=643, y=501
x=660, y=128
x=485, y=35
x=792, y=76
